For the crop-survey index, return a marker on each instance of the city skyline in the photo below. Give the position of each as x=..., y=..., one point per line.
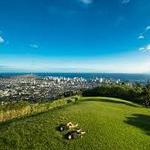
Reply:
x=75, y=36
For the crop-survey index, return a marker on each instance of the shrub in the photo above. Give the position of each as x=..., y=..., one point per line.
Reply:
x=132, y=93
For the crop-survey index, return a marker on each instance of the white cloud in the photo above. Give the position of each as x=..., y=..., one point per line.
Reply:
x=141, y=49
x=141, y=37
x=86, y=1
x=147, y=28
x=1, y=40
x=34, y=46
x=145, y=49
x=148, y=47
x=125, y=1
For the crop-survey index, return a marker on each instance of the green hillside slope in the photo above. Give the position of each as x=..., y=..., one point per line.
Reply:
x=109, y=124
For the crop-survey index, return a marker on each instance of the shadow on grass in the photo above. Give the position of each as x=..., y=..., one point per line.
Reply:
x=111, y=101
x=140, y=121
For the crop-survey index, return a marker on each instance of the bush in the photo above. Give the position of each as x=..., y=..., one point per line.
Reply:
x=132, y=93
x=73, y=99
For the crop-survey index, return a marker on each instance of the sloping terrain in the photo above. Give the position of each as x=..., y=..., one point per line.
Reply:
x=109, y=124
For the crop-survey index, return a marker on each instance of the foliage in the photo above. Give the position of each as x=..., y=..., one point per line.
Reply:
x=146, y=95
x=128, y=92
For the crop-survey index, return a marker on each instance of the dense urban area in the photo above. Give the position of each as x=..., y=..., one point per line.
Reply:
x=33, y=88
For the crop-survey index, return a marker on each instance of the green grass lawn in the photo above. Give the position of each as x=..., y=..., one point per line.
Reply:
x=110, y=124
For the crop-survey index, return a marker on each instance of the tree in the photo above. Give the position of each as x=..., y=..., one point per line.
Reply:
x=146, y=95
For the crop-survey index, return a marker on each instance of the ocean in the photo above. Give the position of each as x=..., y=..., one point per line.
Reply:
x=142, y=78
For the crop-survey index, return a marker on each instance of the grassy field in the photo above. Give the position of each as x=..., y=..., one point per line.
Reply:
x=110, y=124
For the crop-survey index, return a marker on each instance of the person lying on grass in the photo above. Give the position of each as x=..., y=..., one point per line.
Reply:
x=74, y=134
x=67, y=126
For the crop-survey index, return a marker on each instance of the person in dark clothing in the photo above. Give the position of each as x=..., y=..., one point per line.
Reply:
x=74, y=134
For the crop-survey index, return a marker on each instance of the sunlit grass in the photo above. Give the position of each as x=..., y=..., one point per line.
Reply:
x=109, y=124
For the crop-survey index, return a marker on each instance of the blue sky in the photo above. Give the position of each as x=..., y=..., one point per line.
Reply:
x=75, y=36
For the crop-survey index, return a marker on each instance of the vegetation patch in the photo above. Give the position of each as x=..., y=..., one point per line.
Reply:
x=136, y=93
x=24, y=108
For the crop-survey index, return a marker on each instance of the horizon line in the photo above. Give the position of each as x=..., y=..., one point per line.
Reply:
x=32, y=72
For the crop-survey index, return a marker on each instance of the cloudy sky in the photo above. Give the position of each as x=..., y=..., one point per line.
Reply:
x=75, y=36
